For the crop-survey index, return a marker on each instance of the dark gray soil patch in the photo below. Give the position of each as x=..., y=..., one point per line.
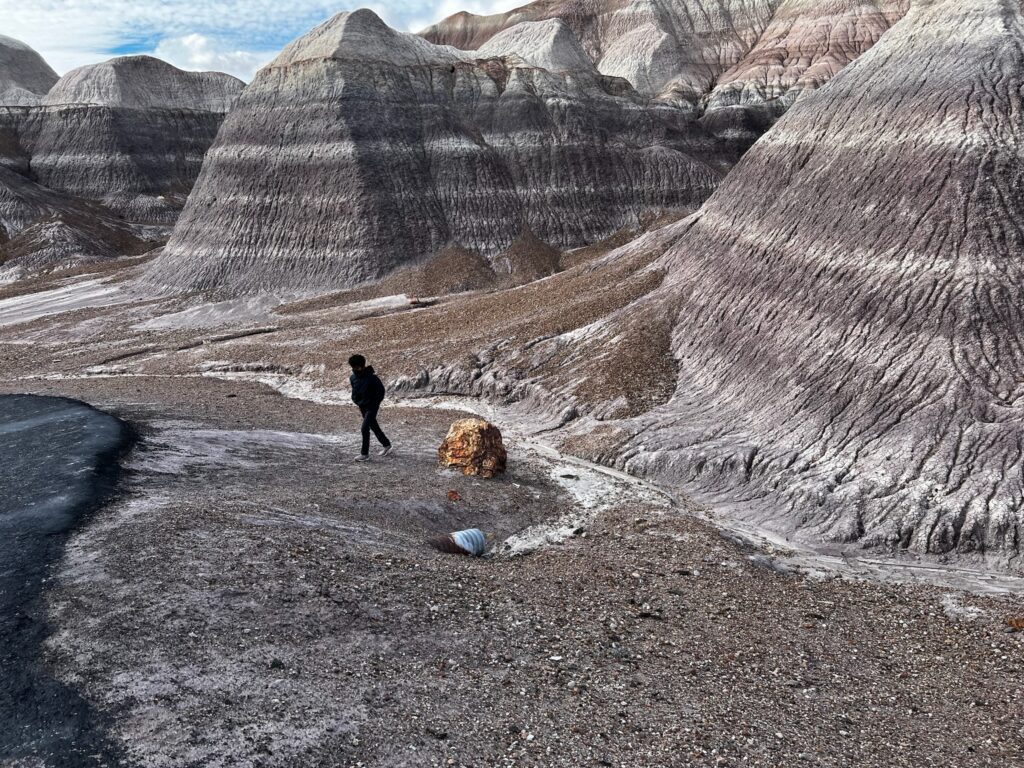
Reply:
x=58, y=463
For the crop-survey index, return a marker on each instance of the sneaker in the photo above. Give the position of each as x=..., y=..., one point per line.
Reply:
x=385, y=450
x=362, y=457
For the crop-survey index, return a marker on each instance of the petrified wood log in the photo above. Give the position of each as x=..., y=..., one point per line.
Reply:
x=475, y=447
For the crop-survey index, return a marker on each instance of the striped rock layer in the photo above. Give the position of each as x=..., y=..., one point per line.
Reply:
x=25, y=78
x=737, y=63
x=42, y=229
x=93, y=154
x=849, y=305
x=130, y=132
x=360, y=148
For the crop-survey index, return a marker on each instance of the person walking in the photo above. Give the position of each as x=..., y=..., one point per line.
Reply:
x=368, y=394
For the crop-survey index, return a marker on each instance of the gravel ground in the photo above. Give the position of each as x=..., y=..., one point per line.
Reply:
x=255, y=599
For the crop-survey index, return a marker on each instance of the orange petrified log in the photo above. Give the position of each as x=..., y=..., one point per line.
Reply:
x=475, y=447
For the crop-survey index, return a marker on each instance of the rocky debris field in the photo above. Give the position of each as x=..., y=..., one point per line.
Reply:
x=254, y=598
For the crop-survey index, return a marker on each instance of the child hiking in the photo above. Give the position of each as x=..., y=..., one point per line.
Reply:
x=368, y=394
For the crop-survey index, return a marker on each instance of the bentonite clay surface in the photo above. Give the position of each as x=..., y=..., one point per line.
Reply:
x=254, y=596
x=849, y=356
x=740, y=64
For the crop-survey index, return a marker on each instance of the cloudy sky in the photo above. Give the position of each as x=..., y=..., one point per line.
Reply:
x=236, y=36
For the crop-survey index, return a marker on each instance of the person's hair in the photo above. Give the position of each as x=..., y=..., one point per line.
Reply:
x=357, y=361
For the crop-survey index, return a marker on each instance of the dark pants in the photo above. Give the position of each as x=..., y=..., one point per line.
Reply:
x=370, y=423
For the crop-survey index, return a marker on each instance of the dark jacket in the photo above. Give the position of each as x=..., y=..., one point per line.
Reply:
x=367, y=389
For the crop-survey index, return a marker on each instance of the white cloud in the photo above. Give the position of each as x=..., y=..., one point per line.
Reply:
x=203, y=53
x=233, y=35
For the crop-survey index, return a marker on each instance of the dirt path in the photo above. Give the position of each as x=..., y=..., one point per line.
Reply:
x=784, y=553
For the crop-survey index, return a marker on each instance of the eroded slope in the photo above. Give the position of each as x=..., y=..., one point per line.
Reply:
x=848, y=304
x=130, y=132
x=738, y=63
x=360, y=149
x=100, y=164
x=24, y=76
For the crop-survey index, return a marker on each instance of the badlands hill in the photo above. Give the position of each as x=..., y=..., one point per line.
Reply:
x=130, y=132
x=829, y=345
x=42, y=229
x=848, y=305
x=360, y=149
x=24, y=77
x=829, y=348
x=24, y=80
x=95, y=158
x=738, y=63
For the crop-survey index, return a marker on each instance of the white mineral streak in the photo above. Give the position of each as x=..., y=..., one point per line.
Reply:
x=76, y=295
x=240, y=312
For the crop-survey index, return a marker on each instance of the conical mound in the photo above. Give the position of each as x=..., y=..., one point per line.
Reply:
x=850, y=304
x=360, y=149
x=24, y=76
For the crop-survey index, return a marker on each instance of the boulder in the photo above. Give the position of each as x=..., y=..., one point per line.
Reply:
x=474, y=446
